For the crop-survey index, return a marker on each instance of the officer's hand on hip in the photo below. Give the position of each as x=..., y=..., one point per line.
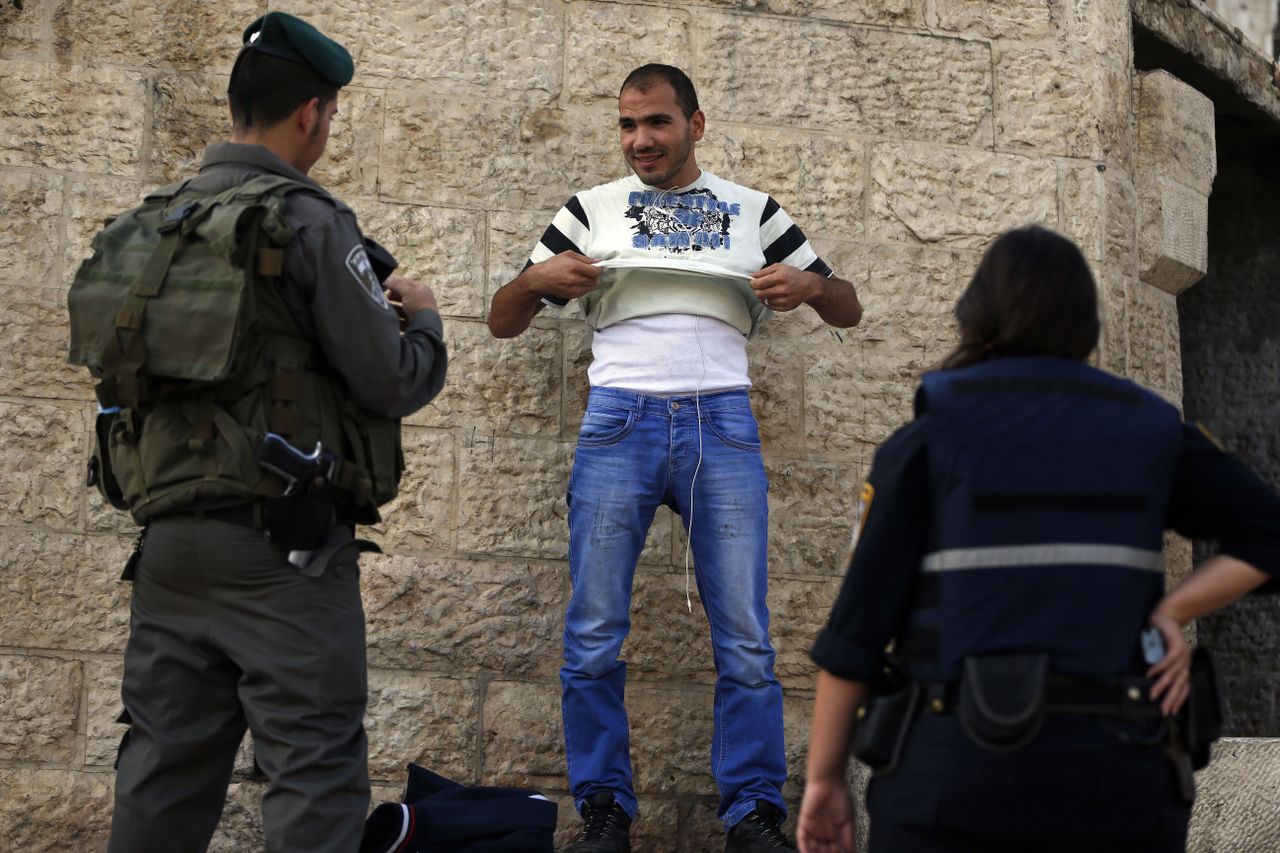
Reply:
x=1173, y=673
x=409, y=295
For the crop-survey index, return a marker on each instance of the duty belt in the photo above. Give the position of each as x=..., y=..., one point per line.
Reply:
x=1128, y=697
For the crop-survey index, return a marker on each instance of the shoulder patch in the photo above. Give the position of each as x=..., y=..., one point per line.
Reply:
x=362, y=271
x=1204, y=430
x=859, y=521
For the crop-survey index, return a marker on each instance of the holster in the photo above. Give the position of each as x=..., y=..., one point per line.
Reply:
x=1200, y=720
x=301, y=519
x=1003, y=699
x=881, y=730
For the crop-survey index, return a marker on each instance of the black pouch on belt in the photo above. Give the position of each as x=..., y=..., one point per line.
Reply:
x=882, y=729
x=1201, y=717
x=1003, y=699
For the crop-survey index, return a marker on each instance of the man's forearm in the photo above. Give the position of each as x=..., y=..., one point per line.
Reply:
x=513, y=308
x=837, y=303
x=1217, y=582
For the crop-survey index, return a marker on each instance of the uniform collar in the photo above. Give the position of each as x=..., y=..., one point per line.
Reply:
x=254, y=156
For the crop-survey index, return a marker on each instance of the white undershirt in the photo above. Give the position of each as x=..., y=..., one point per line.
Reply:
x=668, y=354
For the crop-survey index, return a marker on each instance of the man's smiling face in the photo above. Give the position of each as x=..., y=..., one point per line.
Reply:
x=657, y=138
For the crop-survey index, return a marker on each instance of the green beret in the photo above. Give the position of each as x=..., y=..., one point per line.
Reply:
x=282, y=35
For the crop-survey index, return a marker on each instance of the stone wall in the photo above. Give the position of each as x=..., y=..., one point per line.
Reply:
x=1255, y=19
x=903, y=135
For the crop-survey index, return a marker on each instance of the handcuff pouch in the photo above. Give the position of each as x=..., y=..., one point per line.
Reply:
x=1003, y=699
x=882, y=728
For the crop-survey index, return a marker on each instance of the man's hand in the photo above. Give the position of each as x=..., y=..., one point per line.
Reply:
x=826, y=817
x=567, y=275
x=783, y=288
x=1173, y=673
x=408, y=297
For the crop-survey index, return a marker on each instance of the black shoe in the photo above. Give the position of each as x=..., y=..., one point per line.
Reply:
x=758, y=832
x=605, y=827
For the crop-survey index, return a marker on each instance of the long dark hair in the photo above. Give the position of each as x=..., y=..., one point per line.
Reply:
x=1032, y=294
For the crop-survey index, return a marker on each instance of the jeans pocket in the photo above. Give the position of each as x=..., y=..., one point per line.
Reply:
x=602, y=425
x=735, y=428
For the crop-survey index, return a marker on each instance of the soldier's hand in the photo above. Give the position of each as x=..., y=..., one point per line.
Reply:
x=409, y=296
x=567, y=275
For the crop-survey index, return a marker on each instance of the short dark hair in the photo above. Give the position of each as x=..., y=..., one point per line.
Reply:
x=264, y=90
x=646, y=76
x=1032, y=294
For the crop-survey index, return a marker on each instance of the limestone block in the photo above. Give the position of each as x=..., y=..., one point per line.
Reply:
x=777, y=377
x=1236, y=795
x=428, y=720
x=816, y=178
x=1100, y=29
x=39, y=708
x=523, y=739
x=34, y=337
x=190, y=113
x=102, y=686
x=450, y=615
x=473, y=48
x=1081, y=205
x=661, y=828
x=349, y=166
x=100, y=516
x=1177, y=559
x=1175, y=131
x=421, y=516
x=1050, y=101
x=796, y=713
x=441, y=247
x=511, y=237
x=799, y=608
x=43, y=476
x=511, y=496
x=606, y=40
x=1120, y=222
x=893, y=13
x=1025, y=20
x=90, y=202
x=960, y=199
x=125, y=32
x=872, y=82
x=1152, y=319
x=61, y=592
x=509, y=385
x=1173, y=234
x=671, y=739
x=494, y=155
x=908, y=294
x=31, y=208
x=667, y=641
x=22, y=30
x=49, y=811
x=577, y=338
x=811, y=507
x=1113, y=301
x=71, y=117
x=240, y=827
x=857, y=393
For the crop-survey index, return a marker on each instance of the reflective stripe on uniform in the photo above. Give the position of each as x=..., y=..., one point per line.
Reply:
x=1052, y=554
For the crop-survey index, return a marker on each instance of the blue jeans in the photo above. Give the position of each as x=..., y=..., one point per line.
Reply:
x=635, y=453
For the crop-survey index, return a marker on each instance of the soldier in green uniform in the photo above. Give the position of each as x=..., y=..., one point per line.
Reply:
x=231, y=629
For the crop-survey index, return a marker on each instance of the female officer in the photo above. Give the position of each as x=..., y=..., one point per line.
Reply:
x=1010, y=548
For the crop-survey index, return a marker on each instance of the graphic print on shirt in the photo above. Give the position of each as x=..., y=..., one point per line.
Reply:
x=693, y=221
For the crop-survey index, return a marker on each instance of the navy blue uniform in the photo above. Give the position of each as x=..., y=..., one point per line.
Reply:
x=1023, y=511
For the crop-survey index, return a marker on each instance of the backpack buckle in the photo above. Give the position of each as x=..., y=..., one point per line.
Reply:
x=174, y=218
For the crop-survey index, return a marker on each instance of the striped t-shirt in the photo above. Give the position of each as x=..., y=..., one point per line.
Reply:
x=712, y=221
